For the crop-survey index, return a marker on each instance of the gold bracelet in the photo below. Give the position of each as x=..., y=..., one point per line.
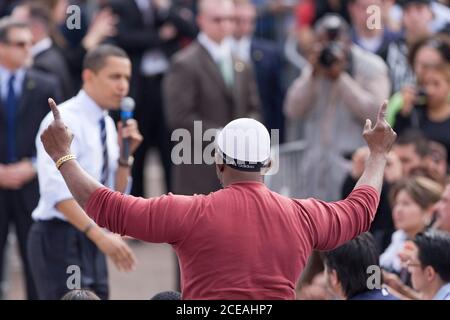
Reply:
x=64, y=159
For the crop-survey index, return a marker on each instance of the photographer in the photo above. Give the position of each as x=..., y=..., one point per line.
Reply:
x=425, y=52
x=339, y=88
x=431, y=113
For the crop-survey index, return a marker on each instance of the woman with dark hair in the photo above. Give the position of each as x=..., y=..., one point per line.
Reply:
x=432, y=115
x=412, y=207
x=429, y=51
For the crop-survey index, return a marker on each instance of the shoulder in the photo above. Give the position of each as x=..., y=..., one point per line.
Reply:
x=189, y=54
x=41, y=79
x=368, y=62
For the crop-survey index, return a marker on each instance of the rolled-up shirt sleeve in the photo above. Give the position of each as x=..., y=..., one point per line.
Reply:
x=333, y=224
x=168, y=218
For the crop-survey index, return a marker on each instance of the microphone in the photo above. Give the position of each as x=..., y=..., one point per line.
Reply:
x=126, y=107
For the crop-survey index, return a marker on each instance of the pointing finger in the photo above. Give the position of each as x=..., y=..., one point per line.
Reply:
x=382, y=112
x=54, y=108
x=368, y=125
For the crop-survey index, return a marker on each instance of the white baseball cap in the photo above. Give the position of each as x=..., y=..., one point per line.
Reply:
x=244, y=144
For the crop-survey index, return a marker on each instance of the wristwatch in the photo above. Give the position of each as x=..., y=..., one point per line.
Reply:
x=126, y=163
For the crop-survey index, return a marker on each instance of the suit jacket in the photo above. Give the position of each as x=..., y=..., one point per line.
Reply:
x=136, y=37
x=33, y=106
x=268, y=67
x=52, y=61
x=194, y=90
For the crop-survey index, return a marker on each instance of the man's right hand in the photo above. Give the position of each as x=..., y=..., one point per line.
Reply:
x=115, y=248
x=381, y=137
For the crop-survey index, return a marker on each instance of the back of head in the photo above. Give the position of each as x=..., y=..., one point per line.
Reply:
x=434, y=251
x=351, y=262
x=80, y=294
x=244, y=145
x=167, y=295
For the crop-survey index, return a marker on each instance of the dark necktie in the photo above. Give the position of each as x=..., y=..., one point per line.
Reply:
x=11, y=108
x=105, y=169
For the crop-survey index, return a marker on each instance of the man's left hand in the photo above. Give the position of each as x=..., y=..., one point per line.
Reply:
x=130, y=131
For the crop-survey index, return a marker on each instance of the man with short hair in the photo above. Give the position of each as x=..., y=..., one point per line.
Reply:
x=375, y=39
x=23, y=104
x=206, y=83
x=62, y=235
x=241, y=242
x=411, y=148
x=348, y=270
x=429, y=265
x=46, y=55
x=265, y=58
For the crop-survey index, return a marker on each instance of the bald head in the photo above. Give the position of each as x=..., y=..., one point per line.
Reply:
x=205, y=6
x=216, y=18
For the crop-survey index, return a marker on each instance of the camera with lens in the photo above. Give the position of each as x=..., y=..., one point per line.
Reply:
x=330, y=54
x=333, y=50
x=421, y=98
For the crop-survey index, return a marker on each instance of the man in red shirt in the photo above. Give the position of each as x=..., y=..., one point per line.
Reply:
x=241, y=242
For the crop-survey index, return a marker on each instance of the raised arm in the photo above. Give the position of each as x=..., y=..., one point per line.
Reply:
x=57, y=139
x=163, y=219
x=332, y=224
x=379, y=140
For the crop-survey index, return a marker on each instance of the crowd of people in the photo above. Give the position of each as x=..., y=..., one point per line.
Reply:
x=314, y=71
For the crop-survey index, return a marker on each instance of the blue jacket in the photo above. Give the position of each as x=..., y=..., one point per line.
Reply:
x=268, y=65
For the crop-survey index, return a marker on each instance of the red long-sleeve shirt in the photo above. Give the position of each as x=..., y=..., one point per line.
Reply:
x=241, y=242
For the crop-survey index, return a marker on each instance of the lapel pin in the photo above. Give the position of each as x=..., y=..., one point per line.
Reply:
x=239, y=66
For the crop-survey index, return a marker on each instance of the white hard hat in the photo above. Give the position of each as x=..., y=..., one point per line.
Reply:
x=244, y=144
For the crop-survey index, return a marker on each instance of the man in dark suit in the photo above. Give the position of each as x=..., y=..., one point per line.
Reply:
x=47, y=57
x=150, y=31
x=23, y=105
x=266, y=60
x=206, y=83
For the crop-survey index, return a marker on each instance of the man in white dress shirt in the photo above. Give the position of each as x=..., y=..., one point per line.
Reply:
x=63, y=240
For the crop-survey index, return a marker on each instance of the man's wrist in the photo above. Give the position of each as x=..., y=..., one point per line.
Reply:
x=128, y=163
x=378, y=156
x=95, y=233
x=62, y=160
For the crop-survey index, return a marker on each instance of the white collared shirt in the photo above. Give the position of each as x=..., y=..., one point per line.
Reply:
x=82, y=115
x=218, y=52
x=5, y=74
x=241, y=48
x=41, y=46
x=443, y=293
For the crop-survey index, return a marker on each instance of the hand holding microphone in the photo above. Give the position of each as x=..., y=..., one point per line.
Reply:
x=129, y=135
